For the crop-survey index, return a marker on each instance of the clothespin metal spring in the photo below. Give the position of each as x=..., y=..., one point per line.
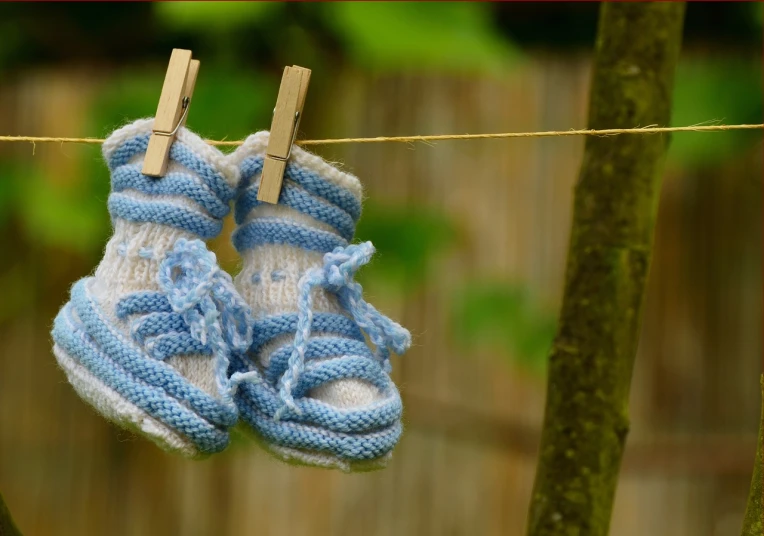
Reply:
x=185, y=105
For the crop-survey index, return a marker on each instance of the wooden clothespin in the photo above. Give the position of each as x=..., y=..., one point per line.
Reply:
x=286, y=121
x=174, y=102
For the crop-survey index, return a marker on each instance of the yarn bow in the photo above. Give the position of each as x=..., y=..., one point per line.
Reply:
x=336, y=276
x=205, y=297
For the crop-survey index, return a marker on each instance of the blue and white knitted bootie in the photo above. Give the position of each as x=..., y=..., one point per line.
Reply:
x=147, y=339
x=324, y=398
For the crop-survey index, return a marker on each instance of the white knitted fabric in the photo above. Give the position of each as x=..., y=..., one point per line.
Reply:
x=111, y=405
x=271, y=297
x=120, y=273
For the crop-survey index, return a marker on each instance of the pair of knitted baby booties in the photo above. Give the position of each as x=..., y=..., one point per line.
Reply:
x=162, y=341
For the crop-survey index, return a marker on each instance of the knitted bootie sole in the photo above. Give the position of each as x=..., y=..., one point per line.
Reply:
x=259, y=427
x=146, y=339
x=117, y=409
x=298, y=457
x=324, y=397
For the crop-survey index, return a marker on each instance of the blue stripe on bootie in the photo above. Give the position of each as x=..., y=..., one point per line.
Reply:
x=159, y=298
x=298, y=354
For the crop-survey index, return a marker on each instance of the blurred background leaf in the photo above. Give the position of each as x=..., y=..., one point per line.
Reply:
x=8, y=193
x=504, y=318
x=213, y=16
x=61, y=216
x=421, y=36
x=408, y=241
x=723, y=89
x=228, y=104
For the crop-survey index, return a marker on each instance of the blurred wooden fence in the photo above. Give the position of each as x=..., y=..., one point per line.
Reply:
x=466, y=462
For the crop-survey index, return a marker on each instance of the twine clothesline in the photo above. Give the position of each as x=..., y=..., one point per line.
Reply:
x=651, y=129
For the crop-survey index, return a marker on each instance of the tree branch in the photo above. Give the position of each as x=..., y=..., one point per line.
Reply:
x=590, y=368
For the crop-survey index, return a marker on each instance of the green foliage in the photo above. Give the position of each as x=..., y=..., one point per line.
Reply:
x=213, y=16
x=503, y=317
x=53, y=213
x=725, y=89
x=7, y=193
x=129, y=95
x=493, y=315
x=226, y=104
x=17, y=287
x=407, y=239
x=61, y=216
x=421, y=36
x=233, y=104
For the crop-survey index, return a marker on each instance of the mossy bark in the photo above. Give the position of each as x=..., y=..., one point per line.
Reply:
x=7, y=526
x=616, y=197
x=753, y=522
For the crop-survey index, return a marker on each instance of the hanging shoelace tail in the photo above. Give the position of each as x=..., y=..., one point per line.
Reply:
x=205, y=297
x=336, y=276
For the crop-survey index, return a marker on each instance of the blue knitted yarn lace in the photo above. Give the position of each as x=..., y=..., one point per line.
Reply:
x=208, y=313
x=277, y=406
x=197, y=310
x=337, y=276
